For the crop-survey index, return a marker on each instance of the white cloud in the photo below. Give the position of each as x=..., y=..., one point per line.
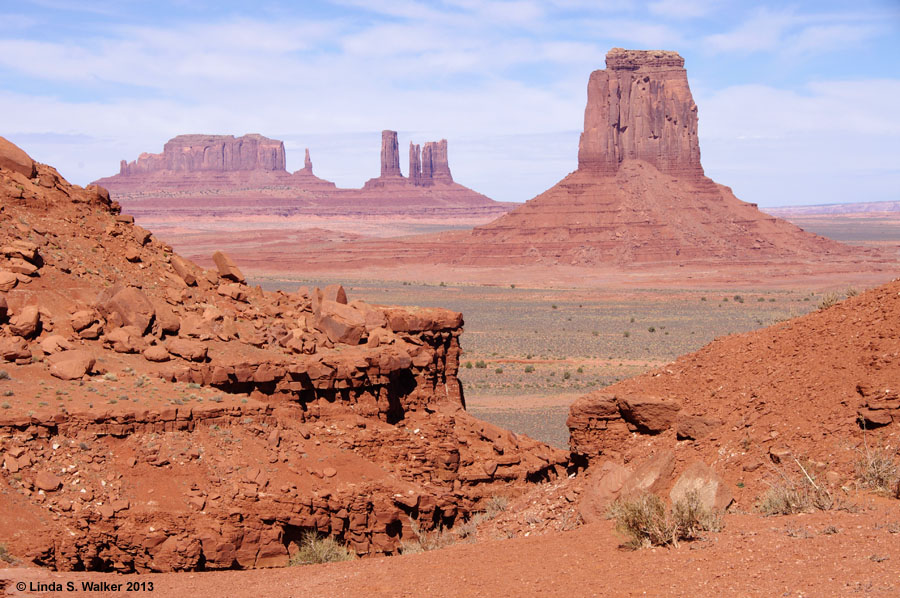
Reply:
x=683, y=9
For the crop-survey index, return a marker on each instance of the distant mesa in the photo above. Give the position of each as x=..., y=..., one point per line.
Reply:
x=253, y=167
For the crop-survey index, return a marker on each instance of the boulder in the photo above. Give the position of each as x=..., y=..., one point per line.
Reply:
x=71, y=365
x=127, y=339
x=8, y=281
x=702, y=479
x=653, y=475
x=649, y=414
x=13, y=158
x=166, y=321
x=156, y=353
x=602, y=486
x=47, y=482
x=341, y=323
x=227, y=268
x=82, y=319
x=130, y=304
x=55, y=343
x=26, y=323
x=14, y=348
x=695, y=427
x=187, y=349
x=336, y=293
x=236, y=291
x=184, y=269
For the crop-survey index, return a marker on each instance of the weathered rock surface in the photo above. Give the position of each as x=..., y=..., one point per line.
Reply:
x=711, y=489
x=390, y=155
x=218, y=153
x=207, y=424
x=640, y=108
x=14, y=159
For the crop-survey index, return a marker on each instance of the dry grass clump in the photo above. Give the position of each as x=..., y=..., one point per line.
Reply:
x=315, y=549
x=791, y=494
x=645, y=522
x=424, y=542
x=877, y=469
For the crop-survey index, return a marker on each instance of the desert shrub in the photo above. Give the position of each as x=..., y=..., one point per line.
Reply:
x=738, y=298
x=498, y=371
x=692, y=517
x=791, y=494
x=651, y=329
x=529, y=369
x=495, y=505
x=580, y=370
x=829, y=300
x=480, y=364
x=4, y=375
x=626, y=334
x=5, y=556
x=645, y=522
x=5, y=405
x=423, y=541
x=468, y=365
x=567, y=375
x=877, y=469
x=851, y=292
x=553, y=306
x=315, y=549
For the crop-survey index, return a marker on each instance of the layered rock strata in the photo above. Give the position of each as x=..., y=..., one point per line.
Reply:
x=217, y=153
x=198, y=422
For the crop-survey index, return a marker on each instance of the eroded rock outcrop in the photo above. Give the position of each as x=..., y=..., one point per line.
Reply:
x=207, y=423
x=640, y=108
x=222, y=153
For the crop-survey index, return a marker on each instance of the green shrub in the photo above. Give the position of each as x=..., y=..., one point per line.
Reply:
x=567, y=375
x=626, y=334
x=651, y=329
x=480, y=364
x=498, y=371
x=468, y=365
x=315, y=549
x=529, y=369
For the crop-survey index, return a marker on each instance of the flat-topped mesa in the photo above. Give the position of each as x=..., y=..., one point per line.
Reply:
x=390, y=155
x=640, y=108
x=211, y=153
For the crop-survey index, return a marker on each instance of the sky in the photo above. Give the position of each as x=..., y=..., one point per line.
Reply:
x=799, y=102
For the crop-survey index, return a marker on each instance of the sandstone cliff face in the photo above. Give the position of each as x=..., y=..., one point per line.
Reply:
x=415, y=164
x=306, y=411
x=216, y=153
x=390, y=155
x=640, y=108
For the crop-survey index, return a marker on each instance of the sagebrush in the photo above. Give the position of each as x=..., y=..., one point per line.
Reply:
x=645, y=521
x=315, y=549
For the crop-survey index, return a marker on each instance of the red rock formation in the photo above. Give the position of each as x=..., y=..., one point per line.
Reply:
x=307, y=162
x=415, y=164
x=390, y=155
x=306, y=411
x=808, y=389
x=639, y=194
x=640, y=108
x=218, y=153
x=435, y=163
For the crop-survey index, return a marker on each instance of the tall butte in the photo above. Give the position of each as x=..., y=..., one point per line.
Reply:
x=639, y=194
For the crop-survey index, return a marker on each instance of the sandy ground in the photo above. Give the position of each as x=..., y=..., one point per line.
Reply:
x=822, y=554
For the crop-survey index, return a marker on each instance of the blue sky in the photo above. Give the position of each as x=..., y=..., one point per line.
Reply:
x=799, y=103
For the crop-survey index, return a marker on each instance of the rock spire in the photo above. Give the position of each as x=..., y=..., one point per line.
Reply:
x=640, y=108
x=390, y=154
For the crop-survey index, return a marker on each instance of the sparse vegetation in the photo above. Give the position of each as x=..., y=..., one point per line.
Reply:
x=644, y=521
x=529, y=369
x=877, y=469
x=791, y=494
x=315, y=549
x=5, y=556
x=480, y=364
x=829, y=300
x=4, y=375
